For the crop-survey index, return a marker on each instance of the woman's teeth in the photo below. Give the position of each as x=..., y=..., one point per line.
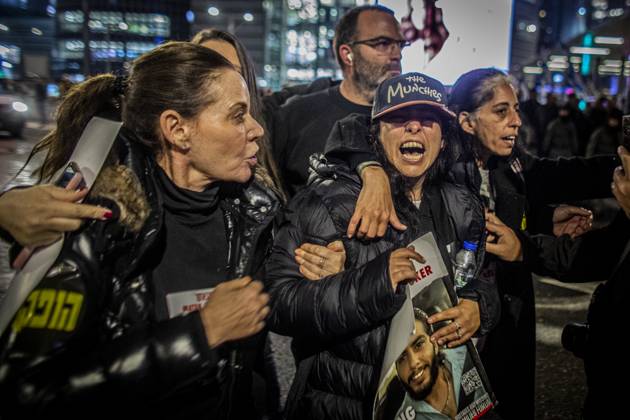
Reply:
x=412, y=150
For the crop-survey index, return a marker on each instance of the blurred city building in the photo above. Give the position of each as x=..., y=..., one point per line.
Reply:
x=299, y=39
x=244, y=18
x=559, y=46
x=581, y=47
x=290, y=41
x=114, y=32
x=27, y=35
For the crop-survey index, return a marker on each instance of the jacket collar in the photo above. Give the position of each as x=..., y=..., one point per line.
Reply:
x=249, y=209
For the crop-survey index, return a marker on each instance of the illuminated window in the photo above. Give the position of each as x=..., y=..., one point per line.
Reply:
x=146, y=24
x=10, y=53
x=135, y=49
x=149, y=24
x=103, y=50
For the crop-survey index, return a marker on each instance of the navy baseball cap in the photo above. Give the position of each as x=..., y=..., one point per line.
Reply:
x=410, y=89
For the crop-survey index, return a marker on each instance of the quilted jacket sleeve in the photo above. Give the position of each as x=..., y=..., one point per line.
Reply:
x=590, y=257
x=345, y=303
x=563, y=180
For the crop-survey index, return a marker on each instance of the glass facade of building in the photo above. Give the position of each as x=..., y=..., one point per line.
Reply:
x=115, y=32
x=299, y=40
x=143, y=24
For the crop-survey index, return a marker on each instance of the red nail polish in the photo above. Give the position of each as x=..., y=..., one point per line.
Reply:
x=108, y=214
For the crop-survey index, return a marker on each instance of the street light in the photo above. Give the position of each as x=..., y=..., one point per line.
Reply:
x=213, y=11
x=589, y=50
x=609, y=40
x=190, y=16
x=248, y=17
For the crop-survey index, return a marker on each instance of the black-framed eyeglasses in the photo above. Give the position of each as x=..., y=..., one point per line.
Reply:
x=381, y=43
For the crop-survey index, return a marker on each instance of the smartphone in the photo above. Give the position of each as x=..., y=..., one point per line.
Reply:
x=70, y=179
x=625, y=124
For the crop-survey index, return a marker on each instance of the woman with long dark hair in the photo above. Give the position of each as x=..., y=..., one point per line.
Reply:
x=154, y=308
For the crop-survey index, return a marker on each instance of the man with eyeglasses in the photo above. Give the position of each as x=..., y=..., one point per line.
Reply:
x=367, y=45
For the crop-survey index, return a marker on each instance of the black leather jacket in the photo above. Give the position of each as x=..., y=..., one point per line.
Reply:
x=340, y=323
x=86, y=338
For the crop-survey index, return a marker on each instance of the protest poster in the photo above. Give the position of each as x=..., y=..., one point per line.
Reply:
x=419, y=379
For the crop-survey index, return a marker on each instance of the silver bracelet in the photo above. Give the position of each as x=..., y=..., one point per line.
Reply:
x=361, y=166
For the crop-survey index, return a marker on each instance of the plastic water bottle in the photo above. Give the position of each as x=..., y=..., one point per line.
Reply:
x=465, y=264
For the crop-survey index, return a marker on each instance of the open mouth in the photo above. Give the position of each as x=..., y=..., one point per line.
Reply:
x=416, y=376
x=509, y=139
x=412, y=151
x=252, y=160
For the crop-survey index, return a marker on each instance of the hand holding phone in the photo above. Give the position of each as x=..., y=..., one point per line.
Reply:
x=70, y=179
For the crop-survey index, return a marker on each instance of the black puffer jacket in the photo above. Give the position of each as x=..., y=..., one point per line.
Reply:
x=523, y=186
x=340, y=323
x=86, y=340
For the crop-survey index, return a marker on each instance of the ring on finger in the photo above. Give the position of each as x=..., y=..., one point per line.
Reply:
x=459, y=327
x=321, y=261
x=459, y=334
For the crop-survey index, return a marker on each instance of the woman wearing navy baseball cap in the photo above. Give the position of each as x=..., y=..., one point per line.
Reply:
x=340, y=323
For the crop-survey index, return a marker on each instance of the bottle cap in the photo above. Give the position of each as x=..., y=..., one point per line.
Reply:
x=470, y=246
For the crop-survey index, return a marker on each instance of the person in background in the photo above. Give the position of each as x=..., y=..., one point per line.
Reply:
x=548, y=113
x=155, y=307
x=368, y=46
x=599, y=112
x=582, y=125
x=561, y=138
x=531, y=113
x=607, y=138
